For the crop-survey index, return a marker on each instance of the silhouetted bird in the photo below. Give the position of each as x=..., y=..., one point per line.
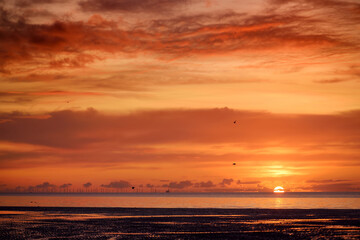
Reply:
x=132, y=187
x=234, y=163
x=235, y=122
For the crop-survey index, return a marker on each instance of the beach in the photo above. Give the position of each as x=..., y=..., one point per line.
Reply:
x=177, y=223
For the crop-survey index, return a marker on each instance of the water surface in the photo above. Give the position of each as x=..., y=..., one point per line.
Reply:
x=188, y=200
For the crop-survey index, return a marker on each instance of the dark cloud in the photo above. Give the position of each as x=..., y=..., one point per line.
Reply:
x=30, y=3
x=53, y=139
x=248, y=182
x=8, y=158
x=29, y=13
x=179, y=185
x=342, y=11
x=208, y=184
x=65, y=185
x=72, y=139
x=327, y=181
x=226, y=181
x=87, y=185
x=45, y=185
x=335, y=4
x=25, y=42
x=176, y=37
x=156, y=6
x=71, y=129
x=119, y=184
x=199, y=35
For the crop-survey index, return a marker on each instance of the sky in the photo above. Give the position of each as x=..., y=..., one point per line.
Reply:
x=191, y=96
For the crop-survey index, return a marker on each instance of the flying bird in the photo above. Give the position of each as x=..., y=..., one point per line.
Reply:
x=235, y=122
x=234, y=163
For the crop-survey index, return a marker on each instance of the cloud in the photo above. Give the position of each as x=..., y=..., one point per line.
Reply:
x=70, y=44
x=248, y=182
x=333, y=80
x=34, y=77
x=63, y=42
x=179, y=185
x=31, y=3
x=261, y=188
x=156, y=6
x=30, y=13
x=119, y=184
x=197, y=35
x=65, y=185
x=208, y=184
x=343, y=11
x=351, y=73
x=49, y=93
x=336, y=187
x=327, y=181
x=9, y=158
x=72, y=129
x=73, y=139
x=44, y=185
x=335, y=4
x=87, y=185
x=226, y=181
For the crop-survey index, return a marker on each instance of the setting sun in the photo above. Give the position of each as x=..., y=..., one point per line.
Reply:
x=279, y=189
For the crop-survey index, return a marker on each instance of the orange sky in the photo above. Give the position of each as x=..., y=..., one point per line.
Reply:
x=144, y=93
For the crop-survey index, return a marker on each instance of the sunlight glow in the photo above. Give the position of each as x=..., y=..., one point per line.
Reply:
x=279, y=189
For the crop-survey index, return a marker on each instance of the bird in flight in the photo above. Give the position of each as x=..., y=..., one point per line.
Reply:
x=235, y=122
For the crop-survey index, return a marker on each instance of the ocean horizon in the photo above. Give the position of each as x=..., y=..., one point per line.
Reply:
x=232, y=200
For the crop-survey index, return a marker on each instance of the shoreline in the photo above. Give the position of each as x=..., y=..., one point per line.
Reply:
x=177, y=223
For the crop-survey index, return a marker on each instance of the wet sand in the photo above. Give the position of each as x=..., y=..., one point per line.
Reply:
x=146, y=223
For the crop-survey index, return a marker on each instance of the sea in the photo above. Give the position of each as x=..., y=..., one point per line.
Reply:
x=287, y=200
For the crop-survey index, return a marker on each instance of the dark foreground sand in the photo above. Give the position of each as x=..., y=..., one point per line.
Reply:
x=137, y=223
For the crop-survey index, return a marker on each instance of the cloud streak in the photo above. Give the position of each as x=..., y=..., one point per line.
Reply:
x=68, y=128
x=74, y=44
x=155, y=6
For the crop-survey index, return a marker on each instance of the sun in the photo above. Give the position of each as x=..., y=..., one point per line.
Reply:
x=279, y=189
